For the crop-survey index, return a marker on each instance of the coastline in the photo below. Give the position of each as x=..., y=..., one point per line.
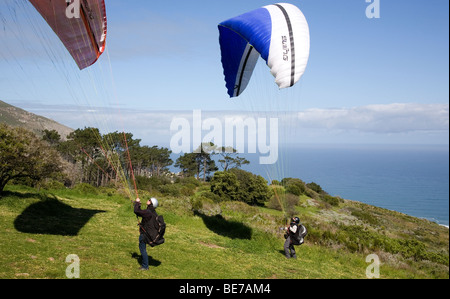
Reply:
x=371, y=174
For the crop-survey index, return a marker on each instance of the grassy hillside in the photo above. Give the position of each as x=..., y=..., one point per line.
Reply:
x=38, y=230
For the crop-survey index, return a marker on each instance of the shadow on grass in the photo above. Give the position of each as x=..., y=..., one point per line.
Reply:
x=52, y=217
x=223, y=227
x=281, y=251
x=151, y=261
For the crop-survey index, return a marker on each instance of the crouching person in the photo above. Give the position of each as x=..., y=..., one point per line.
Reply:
x=295, y=235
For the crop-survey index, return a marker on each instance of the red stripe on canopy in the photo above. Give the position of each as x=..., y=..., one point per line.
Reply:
x=82, y=32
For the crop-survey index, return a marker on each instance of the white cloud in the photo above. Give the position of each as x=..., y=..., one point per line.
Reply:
x=390, y=118
x=405, y=122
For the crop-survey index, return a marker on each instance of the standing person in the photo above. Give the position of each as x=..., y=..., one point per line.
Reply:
x=294, y=236
x=147, y=218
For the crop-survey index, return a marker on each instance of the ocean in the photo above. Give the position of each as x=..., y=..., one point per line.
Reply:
x=411, y=179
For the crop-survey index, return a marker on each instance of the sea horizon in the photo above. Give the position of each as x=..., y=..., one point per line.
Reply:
x=410, y=179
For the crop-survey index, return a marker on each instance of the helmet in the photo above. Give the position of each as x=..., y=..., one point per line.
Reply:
x=154, y=202
x=296, y=220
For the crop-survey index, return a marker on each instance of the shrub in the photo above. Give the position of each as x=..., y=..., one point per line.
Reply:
x=315, y=187
x=253, y=189
x=197, y=203
x=187, y=190
x=284, y=202
x=205, y=206
x=274, y=203
x=366, y=217
x=276, y=182
x=53, y=185
x=191, y=181
x=84, y=188
x=332, y=200
x=225, y=185
x=150, y=183
x=294, y=186
x=169, y=189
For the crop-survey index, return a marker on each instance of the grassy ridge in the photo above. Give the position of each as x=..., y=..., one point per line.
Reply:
x=40, y=229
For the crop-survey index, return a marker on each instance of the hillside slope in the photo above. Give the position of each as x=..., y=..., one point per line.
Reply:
x=38, y=230
x=17, y=117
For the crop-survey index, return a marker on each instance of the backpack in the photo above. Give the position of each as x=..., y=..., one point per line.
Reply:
x=303, y=231
x=302, y=234
x=300, y=238
x=154, y=230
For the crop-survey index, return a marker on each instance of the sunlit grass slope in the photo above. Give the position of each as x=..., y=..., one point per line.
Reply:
x=38, y=230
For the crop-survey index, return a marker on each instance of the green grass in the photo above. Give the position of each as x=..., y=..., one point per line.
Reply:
x=39, y=230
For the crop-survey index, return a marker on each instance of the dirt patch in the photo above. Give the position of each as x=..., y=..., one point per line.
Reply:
x=209, y=245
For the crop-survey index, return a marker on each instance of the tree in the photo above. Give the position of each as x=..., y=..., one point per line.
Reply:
x=294, y=186
x=230, y=158
x=82, y=148
x=121, y=150
x=23, y=155
x=225, y=185
x=240, y=185
x=253, y=189
x=188, y=165
x=52, y=137
x=204, y=159
x=197, y=162
x=156, y=159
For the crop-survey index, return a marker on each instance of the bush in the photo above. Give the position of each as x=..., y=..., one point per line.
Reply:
x=332, y=200
x=225, y=185
x=208, y=194
x=191, y=181
x=253, y=189
x=187, y=190
x=294, y=186
x=150, y=183
x=315, y=187
x=84, y=188
x=274, y=203
x=366, y=217
x=205, y=206
x=356, y=238
x=294, y=189
x=284, y=202
x=53, y=185
x=169, y=189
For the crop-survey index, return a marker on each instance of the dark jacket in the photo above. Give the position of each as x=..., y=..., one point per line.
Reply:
x=147, y=215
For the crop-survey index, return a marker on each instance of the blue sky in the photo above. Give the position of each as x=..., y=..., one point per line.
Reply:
x=368, y=80
x=401, y=57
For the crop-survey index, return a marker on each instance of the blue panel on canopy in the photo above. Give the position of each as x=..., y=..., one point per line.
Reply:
x=279, y=33
x=236, y=34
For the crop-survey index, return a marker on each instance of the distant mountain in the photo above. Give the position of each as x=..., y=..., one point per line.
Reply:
x=17, y=117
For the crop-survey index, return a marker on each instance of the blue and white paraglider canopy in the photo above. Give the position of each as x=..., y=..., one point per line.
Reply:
x=279, y=33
